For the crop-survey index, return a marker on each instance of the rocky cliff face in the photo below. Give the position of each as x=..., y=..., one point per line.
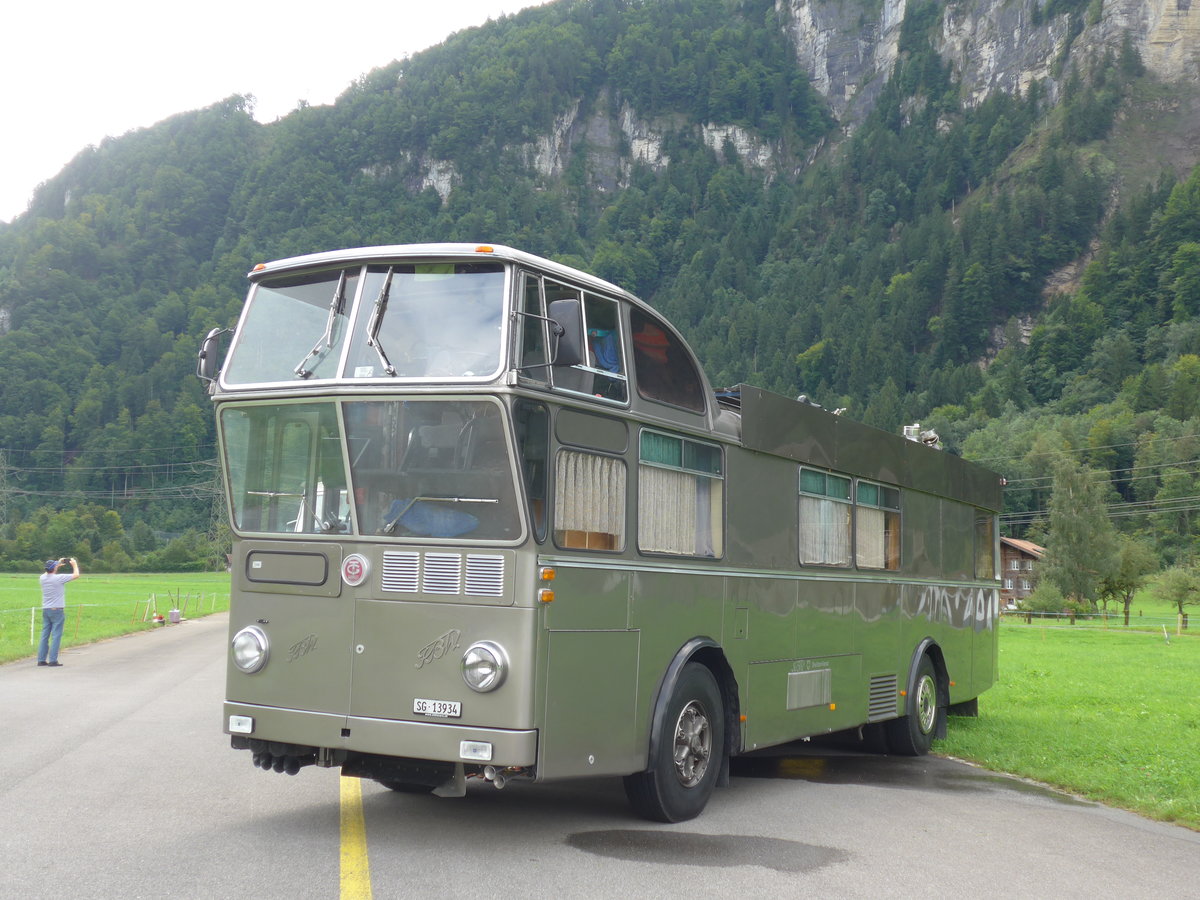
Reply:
x=849, y=48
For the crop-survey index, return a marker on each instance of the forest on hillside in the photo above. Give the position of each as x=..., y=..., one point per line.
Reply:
x=897, y=271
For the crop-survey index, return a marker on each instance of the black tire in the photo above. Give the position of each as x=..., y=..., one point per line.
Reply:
x=912, y=734
x=690, y=750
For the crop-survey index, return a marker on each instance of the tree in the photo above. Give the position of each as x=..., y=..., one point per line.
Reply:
x=1081, y=543
x=1134, y=561
x=1179, y=586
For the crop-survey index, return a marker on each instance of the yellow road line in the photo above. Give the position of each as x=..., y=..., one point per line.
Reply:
x=356, y=870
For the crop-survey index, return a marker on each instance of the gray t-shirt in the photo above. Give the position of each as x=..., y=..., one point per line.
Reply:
x=54, y=590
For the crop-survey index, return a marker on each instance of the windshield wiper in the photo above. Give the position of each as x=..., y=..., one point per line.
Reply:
x=400, y=508
x=325, y=343
x=376, y=322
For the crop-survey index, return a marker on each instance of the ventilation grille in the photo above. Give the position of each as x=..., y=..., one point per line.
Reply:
x=411, y=572
x=485, y=575
x=401, y=572
x=882, y=702
x=443, y=573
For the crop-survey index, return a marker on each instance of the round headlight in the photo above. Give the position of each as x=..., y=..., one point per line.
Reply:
x=250, y=649
x=484, y=666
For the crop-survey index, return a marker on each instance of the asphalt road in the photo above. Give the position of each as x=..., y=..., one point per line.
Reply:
x=116, y=782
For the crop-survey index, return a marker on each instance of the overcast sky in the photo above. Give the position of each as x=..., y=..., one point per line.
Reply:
x=74, y=73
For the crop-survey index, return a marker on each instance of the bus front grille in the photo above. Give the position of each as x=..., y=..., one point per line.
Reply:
x=485, y=574
x=443, y=573
x=401, y=572
x=411, y=572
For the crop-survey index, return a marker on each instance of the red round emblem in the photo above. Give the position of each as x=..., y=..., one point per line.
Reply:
x=354, y=569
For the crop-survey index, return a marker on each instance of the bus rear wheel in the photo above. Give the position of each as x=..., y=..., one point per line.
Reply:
x=688, y=753
x=912, y=734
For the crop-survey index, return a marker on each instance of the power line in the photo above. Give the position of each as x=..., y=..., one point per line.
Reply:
x=1160, y=506
x=1181, y=437
x=1112, y=472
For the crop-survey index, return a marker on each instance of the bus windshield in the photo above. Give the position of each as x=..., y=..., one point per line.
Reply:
x=414, y=321
x=294, y=328
x=417, y=469
x=429, y=321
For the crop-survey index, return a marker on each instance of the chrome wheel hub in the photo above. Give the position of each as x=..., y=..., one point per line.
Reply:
x=926, y=704
x=693, y=744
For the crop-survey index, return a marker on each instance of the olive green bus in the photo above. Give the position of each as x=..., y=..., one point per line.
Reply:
x=491, y=522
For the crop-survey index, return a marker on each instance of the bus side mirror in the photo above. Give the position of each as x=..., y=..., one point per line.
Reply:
x=206, y=361
x=566, y=325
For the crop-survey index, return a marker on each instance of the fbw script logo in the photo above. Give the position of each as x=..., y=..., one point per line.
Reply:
x=354, y=569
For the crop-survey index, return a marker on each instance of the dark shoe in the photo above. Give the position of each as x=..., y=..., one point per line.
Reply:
x=54, y=664
x=43, y=663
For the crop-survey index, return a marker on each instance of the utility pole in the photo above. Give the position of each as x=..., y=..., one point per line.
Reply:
x=3, y=487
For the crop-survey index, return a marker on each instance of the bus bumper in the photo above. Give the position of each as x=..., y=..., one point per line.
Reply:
x=385, y=737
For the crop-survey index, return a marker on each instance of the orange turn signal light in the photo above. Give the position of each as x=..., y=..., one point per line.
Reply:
x=545, y=595
x=547, y=573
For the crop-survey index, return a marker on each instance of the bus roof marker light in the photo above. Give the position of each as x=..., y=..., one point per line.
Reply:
x=484, y=248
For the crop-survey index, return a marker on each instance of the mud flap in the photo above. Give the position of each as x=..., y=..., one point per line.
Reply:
x=454, y=786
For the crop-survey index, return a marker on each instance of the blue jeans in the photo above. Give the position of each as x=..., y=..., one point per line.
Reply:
x=52, y=629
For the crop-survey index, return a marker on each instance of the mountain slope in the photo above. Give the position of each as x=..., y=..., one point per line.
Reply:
x=861, y=201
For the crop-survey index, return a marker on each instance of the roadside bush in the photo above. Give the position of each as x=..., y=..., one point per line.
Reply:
x=1046, y=599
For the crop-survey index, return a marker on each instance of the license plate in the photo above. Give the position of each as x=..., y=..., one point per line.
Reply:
x=438, y=709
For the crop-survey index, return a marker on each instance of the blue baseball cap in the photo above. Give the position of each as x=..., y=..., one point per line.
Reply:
x=50, y=564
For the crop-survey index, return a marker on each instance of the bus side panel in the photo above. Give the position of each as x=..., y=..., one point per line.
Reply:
x=669, y=608
x=880, y=635
x=589, y=675
x=591, y=694
x=795, y=698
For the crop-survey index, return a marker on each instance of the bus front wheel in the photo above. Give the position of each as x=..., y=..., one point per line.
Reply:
x=912, y=734
x=687, y=755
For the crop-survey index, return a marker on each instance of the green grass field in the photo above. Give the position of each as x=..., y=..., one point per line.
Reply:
x=1112, y=715
x=103, y=606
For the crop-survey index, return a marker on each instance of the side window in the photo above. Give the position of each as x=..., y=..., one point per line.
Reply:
x=606, y=359
x=665, y=373
x=680, y=496
x=824, y=519
x=532, y=425
x=877, y=526
x=589, y=501
x=532, y=352
x=985, y=550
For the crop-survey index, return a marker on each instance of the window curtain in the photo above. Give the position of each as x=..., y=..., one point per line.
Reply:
x=678, y=512
x=824, y=532
x=590, y=494
x=870, y=546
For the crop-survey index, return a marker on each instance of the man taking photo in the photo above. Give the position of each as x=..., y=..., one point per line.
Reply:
x=54, y=614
